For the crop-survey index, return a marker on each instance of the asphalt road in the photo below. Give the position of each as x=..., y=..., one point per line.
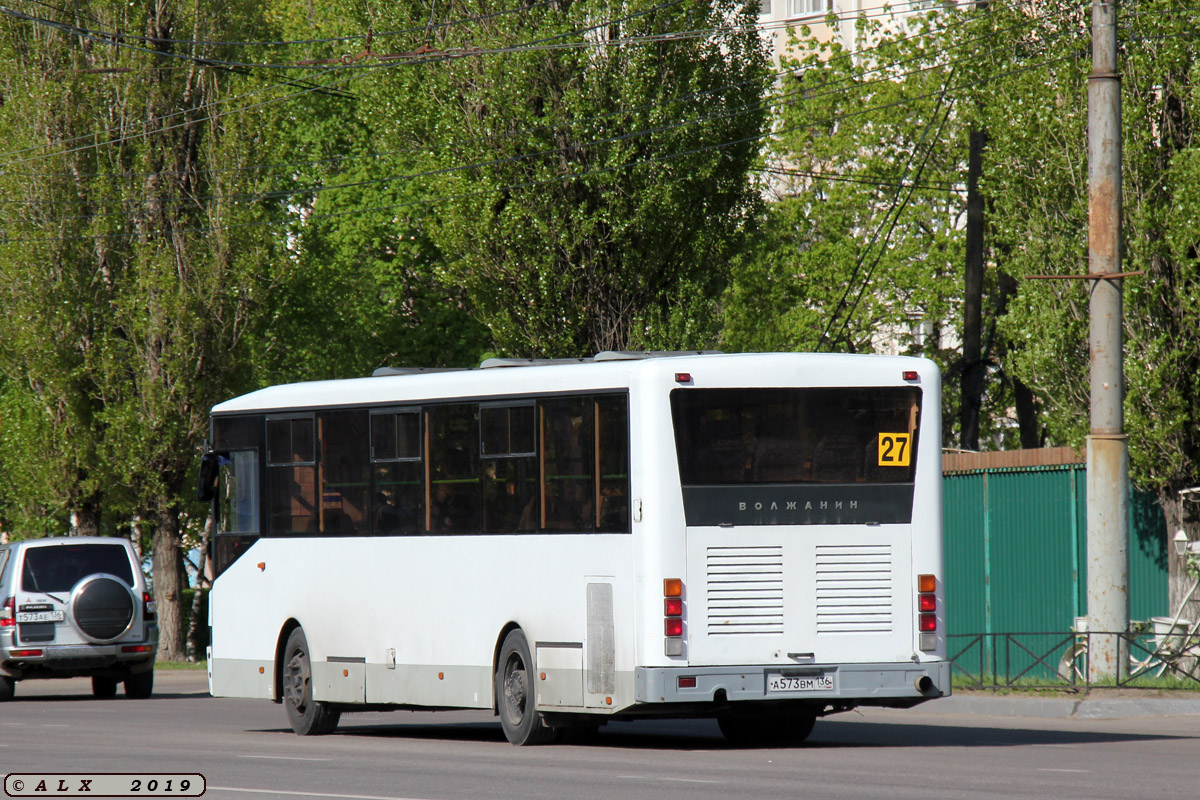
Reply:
x=245, y=750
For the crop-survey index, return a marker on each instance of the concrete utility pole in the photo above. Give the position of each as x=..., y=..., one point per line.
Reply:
x=1108, y=447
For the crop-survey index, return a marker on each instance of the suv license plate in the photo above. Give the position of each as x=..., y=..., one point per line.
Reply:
x=798, y=683
x=39, y=616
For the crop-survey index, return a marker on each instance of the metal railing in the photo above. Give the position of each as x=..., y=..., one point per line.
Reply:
x=1156, y=660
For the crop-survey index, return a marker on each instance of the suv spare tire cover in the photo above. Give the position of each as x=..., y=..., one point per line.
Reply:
x=102, y=607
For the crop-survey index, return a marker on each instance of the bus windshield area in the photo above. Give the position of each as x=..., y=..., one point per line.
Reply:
x=796, y=436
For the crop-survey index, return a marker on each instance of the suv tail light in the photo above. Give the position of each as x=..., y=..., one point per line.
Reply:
x=7, y=619
x=149, y=607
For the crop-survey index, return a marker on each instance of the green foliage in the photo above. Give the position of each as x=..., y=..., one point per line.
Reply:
x=862, y=247
x=591, y=171
x=1040, y=187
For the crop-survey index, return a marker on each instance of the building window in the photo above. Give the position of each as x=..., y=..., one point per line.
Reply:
x=808, y=8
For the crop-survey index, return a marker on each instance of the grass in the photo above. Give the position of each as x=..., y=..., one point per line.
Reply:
x=181, y=665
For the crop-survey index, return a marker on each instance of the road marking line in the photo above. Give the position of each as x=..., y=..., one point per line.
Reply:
x=1050, y=769
x=661, y=778
x=289, y=758
x=293, y=793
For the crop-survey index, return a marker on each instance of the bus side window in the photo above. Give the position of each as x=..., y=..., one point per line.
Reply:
x=612, y=464
x=454, y=502
x=509, y=460
x=567, y=464
x=397, y=473
x=344, y=472
x=291, y=476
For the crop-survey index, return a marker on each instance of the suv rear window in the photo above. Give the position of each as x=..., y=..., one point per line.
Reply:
x=58, y=569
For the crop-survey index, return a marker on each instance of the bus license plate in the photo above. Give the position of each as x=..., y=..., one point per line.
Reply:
x=39, y=616
x=799, y=683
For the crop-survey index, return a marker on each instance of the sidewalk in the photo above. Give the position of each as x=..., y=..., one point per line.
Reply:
x=1099, y=704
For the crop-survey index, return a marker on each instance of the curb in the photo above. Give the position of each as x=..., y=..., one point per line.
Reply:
x=1063, y=708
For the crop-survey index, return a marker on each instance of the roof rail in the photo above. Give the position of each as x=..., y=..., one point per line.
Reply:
x=493, y=363
x=389, y=371
x=634, y=355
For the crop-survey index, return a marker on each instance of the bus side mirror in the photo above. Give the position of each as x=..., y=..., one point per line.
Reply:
x=210, y=466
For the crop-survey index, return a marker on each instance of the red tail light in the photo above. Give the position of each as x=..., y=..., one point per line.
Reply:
x=149, y=607
x=25, y=653
x=928, y=623
x=7, y=620
x=673, y=616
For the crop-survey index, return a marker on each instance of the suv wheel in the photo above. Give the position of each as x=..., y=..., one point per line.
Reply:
x=140, y=686
x=103, y=687
x=8, y=687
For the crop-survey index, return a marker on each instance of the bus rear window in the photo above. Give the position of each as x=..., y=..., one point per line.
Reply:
x=727, y=437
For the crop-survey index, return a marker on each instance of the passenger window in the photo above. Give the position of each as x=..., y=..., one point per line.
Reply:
x=509, y=461
x=453, y=432
x=397, y=473
x=292, y=476
x=612, y=465
x=344, y=472
x=568, y=491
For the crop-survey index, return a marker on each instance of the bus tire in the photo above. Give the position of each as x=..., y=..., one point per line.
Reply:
x=308, y=717
x=515, y=694
x=776, y=728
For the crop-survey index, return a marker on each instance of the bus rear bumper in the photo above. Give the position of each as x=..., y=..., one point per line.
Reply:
x=888, y=684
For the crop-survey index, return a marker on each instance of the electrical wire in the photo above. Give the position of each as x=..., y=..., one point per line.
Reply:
x=840, y=56
x=556, y=180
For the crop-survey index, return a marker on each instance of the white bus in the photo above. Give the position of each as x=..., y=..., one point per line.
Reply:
x=755, y=538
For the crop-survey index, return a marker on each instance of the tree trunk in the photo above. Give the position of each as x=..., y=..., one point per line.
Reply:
x=169, y=583
x=194, y=621
x=972, y=363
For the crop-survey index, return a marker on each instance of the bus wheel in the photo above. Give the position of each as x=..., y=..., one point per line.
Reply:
x=777, y=728
x=307, y=716
x=515, y=694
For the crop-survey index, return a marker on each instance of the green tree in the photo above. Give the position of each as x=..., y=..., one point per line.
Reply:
x=590, y=165
x=1040, y=189
x=862, y=245
x=137, y=277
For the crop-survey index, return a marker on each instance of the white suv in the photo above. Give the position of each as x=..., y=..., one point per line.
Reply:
x=76, y=607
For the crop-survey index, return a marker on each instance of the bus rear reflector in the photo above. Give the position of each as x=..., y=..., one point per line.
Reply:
x=688, y=682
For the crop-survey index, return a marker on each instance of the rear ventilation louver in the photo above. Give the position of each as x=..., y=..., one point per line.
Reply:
x=745, y=590
x=854, y=588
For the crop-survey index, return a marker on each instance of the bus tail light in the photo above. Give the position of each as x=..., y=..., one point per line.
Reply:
x=673, y=616
x=7, y=620
x=927, y=611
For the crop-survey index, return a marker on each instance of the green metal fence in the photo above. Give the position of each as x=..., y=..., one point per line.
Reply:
x=1016, y=558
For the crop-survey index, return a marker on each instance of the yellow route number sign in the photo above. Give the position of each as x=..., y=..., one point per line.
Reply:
x=894, y=449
